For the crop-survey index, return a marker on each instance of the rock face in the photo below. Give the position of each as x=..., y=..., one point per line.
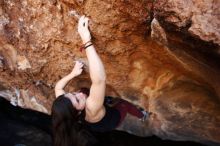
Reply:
x=162, y=55
x=191, y=115
x=201, y=18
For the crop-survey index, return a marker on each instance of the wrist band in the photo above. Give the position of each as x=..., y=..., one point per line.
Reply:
x=87, y=43
x=84, y=46
x=88, y=46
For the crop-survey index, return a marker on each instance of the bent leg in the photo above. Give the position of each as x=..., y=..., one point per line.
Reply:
x=136, y=127
x=125, y=107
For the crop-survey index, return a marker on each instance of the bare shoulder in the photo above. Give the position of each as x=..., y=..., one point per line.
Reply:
x=96, y=116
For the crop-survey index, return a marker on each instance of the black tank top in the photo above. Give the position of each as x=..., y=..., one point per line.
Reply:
x=109, y=122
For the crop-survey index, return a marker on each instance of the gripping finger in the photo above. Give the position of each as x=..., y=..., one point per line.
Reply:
x=81, y=65
x=81, y=21
x=86, y=22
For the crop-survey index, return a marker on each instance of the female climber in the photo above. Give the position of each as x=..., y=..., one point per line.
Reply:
x=73, y=114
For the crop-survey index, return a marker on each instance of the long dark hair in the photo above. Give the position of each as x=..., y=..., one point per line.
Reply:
x=85, y=91
x=68, y=127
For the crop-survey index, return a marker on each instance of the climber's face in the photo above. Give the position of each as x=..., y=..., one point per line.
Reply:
x=78, y=99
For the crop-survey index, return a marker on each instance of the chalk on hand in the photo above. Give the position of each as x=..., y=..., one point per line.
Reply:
x=74, y=13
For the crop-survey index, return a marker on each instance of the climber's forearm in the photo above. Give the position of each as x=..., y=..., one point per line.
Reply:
x=77, y=70
x=97, y=70
x=60, y=85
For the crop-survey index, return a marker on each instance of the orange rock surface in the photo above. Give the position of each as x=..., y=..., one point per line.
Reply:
x=161, y=55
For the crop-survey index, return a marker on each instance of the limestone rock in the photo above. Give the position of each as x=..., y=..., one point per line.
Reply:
x=39, y=42
x=200, y=17
x=157, y=32
x=186, y=111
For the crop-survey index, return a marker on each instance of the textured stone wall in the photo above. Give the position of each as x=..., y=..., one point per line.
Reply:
x=162, y=55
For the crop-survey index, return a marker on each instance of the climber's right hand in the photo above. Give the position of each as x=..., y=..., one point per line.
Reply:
x=83, y=29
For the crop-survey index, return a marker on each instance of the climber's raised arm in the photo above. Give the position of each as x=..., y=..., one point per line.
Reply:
x=77, y=70
x=94, y=103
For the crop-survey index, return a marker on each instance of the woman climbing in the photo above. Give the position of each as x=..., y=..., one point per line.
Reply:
x=73, y=114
